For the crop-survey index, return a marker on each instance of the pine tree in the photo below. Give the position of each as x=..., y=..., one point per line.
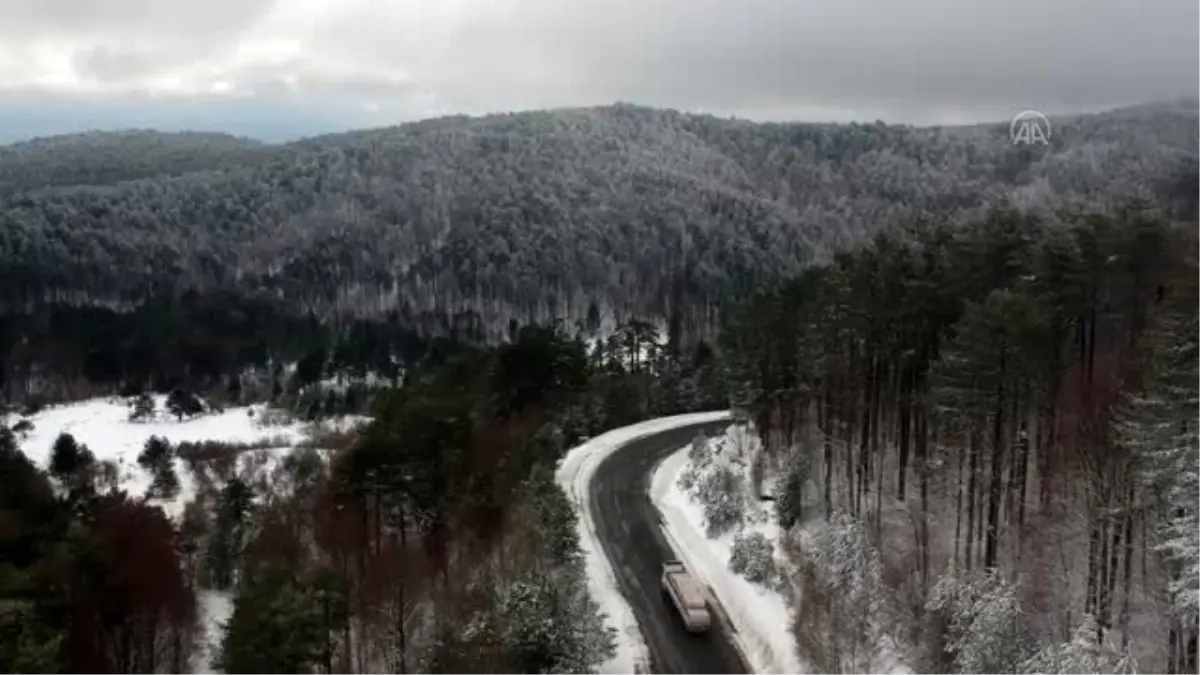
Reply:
x=74, y=467
x=1082, y=654
x=141, y=407
x=183, y=403
x=281, y=622
x=228, y=537
x=158, y=458
x=66, y=457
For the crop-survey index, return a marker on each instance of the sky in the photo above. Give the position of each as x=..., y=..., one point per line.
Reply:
x=280, y=69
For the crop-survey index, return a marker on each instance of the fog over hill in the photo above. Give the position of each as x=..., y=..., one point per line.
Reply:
x=529, y=215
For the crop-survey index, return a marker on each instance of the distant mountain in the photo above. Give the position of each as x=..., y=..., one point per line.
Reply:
x=110, y=157
x=531, y=215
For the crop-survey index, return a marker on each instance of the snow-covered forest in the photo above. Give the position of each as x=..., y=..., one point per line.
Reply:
x=971, y=366
x=533, y=216
x=151, y=533
x=985, y=443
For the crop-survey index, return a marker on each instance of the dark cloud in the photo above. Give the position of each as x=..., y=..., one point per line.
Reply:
x=920, y=61
x=912, y=55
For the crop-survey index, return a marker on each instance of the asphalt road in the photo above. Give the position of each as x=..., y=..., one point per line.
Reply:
x=629, y=529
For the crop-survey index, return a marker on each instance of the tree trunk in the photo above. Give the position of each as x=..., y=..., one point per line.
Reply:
x=864, y=440
x=1022, y=476
x=993, y=514
x=1044, y=449
x=958, y=504
x=877, y=450
x=1189, y=648
x=848, y=418
x=973, y=455
x=1089, y=605
x=923, y=473
x=827, y=427
x=1173, y=650
x=1027, y=436
x=180, y=660
x=1128, y=568
x=905, y=411
x=1102, y=588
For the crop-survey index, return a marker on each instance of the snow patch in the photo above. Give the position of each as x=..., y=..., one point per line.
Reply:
x=759, y=615
x=574, y=475
x=103, y=425
x=215, y=608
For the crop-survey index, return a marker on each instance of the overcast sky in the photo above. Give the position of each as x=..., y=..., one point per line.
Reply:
x=281, y=68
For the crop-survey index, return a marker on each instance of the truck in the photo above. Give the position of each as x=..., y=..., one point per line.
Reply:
x=687, y=594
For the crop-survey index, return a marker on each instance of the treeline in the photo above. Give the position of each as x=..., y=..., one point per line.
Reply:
x=532, y=216
x=432, y=540
x=1007, y=410
x=207, y=341
x=237, y=348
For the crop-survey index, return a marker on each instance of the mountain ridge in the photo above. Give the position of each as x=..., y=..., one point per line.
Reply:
x=531, y=215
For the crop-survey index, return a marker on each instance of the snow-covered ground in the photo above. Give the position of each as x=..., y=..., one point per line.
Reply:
x=215, y=609
x=103, y=425
x=760, y=614
x=574, y=475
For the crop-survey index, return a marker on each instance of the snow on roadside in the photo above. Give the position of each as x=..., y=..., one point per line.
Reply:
x=759, y=614
x=574, y=475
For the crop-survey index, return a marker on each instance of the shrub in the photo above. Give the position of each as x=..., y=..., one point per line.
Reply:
x=719, y=490
x=753, y=557
x=141, y=407
x=688, y=479
x=699, y=453
x=790, y=498
x=207, y=451
x=23, y=428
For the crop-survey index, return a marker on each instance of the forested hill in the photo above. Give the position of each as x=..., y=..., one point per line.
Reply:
x=531, y=215
x=108, y=158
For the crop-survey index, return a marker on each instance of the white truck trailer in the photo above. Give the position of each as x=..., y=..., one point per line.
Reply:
x=687, y=594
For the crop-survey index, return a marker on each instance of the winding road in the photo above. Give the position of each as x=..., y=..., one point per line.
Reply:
x=630, y=532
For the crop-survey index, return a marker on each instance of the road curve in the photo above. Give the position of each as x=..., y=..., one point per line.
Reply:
x=629, y=528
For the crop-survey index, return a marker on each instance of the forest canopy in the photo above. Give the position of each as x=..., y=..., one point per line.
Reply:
x=534, y=216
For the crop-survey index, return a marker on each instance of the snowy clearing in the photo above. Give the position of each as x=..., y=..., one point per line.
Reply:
x=103, y=425
x=574, y=476
x=759, y=614
x=215, y=608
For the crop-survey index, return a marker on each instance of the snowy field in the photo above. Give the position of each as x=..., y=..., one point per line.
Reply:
x=103, y=425
x=574, y=475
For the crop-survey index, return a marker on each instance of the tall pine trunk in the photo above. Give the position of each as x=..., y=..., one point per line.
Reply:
x=923, y=436
x=827, y=428
x=905, y=421
x=972, y=473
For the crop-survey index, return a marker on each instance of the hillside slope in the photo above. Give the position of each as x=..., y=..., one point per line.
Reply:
x=109, y=157
x=532, y=215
